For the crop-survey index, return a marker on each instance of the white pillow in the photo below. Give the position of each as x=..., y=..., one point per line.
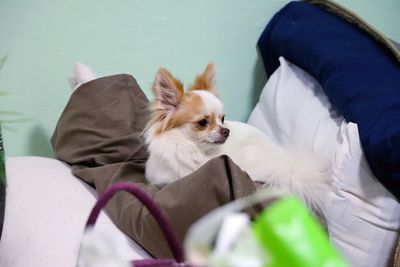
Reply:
x=294, y=111
x=46, y=210
x=363, y=217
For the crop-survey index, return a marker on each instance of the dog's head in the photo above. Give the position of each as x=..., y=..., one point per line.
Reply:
x=197, y=113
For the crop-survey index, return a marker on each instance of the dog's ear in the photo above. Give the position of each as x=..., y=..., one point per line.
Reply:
x=168, y=91
x=206, y=81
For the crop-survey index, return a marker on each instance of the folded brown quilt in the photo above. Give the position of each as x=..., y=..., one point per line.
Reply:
x=99, y=135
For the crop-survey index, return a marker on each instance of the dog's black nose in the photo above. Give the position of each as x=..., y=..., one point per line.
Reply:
x=225, y=132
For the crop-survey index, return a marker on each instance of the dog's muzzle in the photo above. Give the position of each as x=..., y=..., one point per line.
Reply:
x=224, y=134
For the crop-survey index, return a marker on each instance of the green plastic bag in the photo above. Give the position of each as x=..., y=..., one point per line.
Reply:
x=293, y=237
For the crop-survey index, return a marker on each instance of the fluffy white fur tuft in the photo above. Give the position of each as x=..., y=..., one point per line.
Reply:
x=83, y=74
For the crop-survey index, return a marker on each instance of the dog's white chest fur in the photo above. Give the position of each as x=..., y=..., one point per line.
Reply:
x=172, y=156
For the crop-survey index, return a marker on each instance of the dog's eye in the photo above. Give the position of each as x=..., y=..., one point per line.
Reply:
x=223, y=119
x=202, y=122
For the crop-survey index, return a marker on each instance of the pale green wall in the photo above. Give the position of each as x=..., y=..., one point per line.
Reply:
x=43, y=39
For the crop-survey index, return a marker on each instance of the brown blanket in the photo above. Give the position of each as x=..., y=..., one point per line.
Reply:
x=99, y=135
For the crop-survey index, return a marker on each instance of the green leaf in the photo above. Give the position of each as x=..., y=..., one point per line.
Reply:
x=6, y=127
x=2, y=61
x=6, y=121
x=9, y=113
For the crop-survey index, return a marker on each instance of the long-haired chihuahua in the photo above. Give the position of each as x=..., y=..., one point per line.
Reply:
x=187, y=129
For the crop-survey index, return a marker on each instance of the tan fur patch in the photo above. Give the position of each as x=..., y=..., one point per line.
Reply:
x=190, y=109
x=174, y=83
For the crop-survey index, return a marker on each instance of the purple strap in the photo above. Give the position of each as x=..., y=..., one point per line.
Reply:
x=158, y=263
x=158, y=215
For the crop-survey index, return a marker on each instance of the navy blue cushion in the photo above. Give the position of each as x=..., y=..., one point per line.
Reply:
x=359, y=75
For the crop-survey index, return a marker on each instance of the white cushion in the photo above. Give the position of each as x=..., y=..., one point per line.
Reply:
x=363, y=217
x=294, y=111
x=46, y=210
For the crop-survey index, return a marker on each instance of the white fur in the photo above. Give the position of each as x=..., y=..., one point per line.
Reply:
x=174, y=154
x=211, y=102
x=83, y=74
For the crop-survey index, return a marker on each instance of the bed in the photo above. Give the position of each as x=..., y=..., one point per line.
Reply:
x=309, y=101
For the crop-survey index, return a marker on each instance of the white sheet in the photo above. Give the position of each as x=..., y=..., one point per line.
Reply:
x=46, y=210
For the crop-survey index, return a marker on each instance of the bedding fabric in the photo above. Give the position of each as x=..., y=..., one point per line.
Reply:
x=99, y=135
x=45, y=216
x=294, y=111
x=363, y=217
x=359, y=74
